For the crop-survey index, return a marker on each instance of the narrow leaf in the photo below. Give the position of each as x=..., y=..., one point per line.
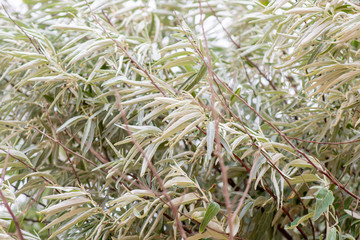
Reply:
x=210, y=213
x=324, y=199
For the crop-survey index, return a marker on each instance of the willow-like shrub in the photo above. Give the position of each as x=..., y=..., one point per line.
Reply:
x=180, y=120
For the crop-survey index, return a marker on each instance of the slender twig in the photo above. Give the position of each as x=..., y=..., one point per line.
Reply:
x=238, y=46
x=253, y=142
x=324, y=171
x=64, y=147
x=33, y=200
x=15, y=219
x=100, y=157
x=285, y=233
x=247, y=188
x=5, y=166
x=125, y=52
x=107, y=18
x=149, y=163
x=5, y=202
x=67, y=154
x=22, y=30
x=217, y=135
x=27, y=195
x=329, y=143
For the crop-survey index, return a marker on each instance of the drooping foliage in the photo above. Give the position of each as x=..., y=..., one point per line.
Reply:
x=180, y=120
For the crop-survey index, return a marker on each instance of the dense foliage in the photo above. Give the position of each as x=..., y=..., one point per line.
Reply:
x=180, y=120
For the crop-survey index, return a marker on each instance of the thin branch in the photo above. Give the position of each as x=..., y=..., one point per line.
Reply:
x=64, y=147
x=5, y=202
x=247, y=188
x=217, y=135
x=253, y=142
x=67, y=154
x=15, y=219
x=238, y=46
x=149, y=163
x=22, y=30
x=285, y=233
x=5, y=166
x=33, y=200
x=326, y=172
x=329, y=143
x=100, y=157
x=125, y=52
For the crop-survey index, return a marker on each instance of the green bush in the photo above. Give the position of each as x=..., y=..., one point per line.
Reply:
x=180, y=120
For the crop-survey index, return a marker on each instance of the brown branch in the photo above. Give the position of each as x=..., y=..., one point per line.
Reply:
x=27, y=165
x=238, y=46
x=329, y=143
x=67, y=155
x=230, y=90
x=15, y=219
x=285, y=233
x=33, y=200
x=5, y=166
x=247, y=188
x=64, y=147
x=149, y=163
x=100, y=157
x=107, y=18
x=325, y=172
x=217, y=135
x=22, y=30
x=5, y=202
x=125, y=52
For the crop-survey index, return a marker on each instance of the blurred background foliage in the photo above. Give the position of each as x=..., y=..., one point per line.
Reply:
x=180, y=119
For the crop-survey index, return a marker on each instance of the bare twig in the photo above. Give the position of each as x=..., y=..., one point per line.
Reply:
x=125, y=52
x=67, y=155
x=22, y=30
x=149, y=163
x=217, y=136
x=247, y=188
x=33, y=200
x=329, y=143
x=100, y=157
x=5, y=202
x=5, y=166
x=64, y=147
x=230, y=90
x=238, y=46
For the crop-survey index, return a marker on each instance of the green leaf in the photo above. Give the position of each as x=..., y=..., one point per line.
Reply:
x=353, y=214
x=197, y=79
x=304, y=178
x=64, y=205
x=74, y=221
x=210, y=213
x=88, y=136
x=331, y=234
x=41, y=174
x=64, y=217
x=17, y=154
x=324, y=199
x=299, y=220
x=70, y=122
